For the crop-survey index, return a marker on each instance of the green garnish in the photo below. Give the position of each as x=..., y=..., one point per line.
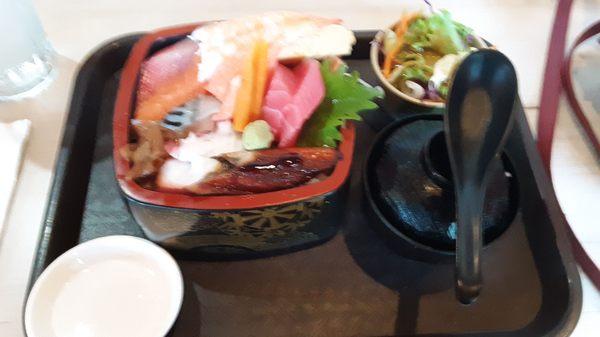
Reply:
x=344, y=98
x=257, y=135
x=443, y=90
x=419, y=72
x=463, y=30
x=438, y=33
x=414, y=68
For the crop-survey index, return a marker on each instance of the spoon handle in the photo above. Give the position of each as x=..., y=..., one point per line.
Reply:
x=468, y=242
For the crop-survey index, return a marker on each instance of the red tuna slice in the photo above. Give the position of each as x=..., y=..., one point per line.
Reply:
x=168, y=79
x=292, y=96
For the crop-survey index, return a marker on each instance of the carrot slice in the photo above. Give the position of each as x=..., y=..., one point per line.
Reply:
x=260, y=60
x=241, y=111
x=400, y=30
x=249, y=98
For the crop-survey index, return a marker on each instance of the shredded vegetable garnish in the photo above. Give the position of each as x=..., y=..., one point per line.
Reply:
x=401, y=28
x=416, y=45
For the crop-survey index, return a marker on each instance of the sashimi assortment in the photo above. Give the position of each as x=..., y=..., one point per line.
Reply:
x=248, y=105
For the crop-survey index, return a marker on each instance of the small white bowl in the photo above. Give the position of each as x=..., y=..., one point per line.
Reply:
x=112, y=286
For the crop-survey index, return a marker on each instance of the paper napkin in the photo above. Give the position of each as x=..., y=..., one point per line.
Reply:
x=13, y=137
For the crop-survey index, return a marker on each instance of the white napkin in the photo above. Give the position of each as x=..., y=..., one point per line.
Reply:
x=13, y=137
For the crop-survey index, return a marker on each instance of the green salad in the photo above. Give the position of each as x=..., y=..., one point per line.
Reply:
x=421, y=51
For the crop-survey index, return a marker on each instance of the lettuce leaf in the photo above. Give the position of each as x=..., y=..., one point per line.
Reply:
x=345, y=97
x=463, y=30
x=438, y=33
x=416, y=71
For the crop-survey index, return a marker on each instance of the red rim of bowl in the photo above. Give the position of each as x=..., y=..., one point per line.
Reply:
x=121, y=118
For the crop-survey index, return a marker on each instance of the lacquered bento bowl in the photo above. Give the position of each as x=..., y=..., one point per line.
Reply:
x=225, y=226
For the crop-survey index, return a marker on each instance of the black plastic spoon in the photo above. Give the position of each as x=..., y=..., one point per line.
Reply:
x=478, y=118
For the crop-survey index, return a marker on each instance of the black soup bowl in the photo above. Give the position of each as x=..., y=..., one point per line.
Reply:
x=409, y=195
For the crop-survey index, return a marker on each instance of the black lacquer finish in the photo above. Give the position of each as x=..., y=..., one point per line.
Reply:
x=476, y=123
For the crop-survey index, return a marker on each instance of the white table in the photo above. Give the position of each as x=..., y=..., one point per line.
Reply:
x=519, y=28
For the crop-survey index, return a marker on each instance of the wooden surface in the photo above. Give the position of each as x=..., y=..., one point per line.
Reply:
x=518, y=28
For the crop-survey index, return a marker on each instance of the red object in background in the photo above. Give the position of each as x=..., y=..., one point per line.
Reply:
x=549, y=111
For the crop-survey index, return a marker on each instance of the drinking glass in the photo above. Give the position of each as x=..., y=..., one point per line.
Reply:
x=25, y=54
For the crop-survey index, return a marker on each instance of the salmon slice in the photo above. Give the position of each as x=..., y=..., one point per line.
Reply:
x=168, y=79
x=292, y=96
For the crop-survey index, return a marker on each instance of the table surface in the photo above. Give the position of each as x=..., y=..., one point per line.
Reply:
x=518, y=28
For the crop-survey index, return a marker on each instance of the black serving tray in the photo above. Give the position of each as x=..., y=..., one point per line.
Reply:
x=352, y=285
